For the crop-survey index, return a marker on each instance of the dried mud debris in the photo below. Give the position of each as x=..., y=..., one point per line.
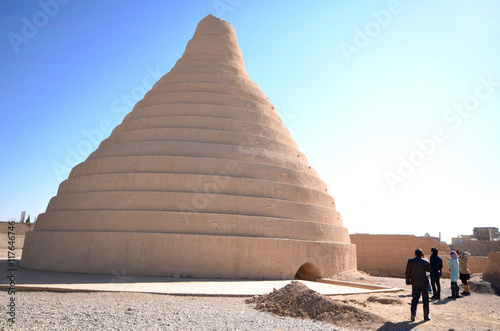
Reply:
x=297, y=300
x=385, y=301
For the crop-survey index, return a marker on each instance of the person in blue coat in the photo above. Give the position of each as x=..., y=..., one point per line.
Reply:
x=436, y=266
x=453, y=264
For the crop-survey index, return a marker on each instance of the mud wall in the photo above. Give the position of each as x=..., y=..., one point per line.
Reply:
x=492, y=271
x=387, y=255
x=20, y=230
x=477, y=264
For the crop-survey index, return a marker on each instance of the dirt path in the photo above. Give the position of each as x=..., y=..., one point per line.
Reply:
x=479, y=311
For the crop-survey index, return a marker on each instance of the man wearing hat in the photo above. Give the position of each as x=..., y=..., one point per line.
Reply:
x=415, y=275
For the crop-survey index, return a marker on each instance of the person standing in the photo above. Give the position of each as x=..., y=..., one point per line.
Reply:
x=463, y=267
x=428, y=274
x=453, y=264
x=415, y=275
x=436, y=266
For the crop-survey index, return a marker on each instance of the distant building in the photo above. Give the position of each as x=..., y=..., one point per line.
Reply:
x=438, y=239
x=483, y=241
x=490, y=234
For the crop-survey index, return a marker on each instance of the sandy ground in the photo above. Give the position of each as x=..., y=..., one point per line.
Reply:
x=127, y=311
x=479, y=311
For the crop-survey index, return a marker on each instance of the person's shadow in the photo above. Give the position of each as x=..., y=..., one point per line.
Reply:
x=443, y=301
x=406, y=325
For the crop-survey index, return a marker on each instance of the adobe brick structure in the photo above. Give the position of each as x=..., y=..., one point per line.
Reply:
x=202, y=179
x=478, y=264
x=492, y=271
x=387, y=255
x=20, y=230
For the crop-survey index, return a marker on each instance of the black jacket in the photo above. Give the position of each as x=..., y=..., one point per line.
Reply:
x=436, y=265
x=415, y=272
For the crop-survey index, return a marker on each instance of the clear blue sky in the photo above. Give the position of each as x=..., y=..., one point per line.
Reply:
x=396, y=104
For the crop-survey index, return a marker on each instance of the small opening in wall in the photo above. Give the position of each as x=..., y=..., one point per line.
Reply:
x=308, y=271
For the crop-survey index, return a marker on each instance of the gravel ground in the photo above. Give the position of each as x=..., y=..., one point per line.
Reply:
x=139, y=311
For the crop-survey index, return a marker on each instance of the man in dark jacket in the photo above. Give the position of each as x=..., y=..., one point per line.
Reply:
x=436, y=266
x=415, y=275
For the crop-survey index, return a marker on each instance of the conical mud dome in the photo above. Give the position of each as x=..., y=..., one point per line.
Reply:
x=202, y=179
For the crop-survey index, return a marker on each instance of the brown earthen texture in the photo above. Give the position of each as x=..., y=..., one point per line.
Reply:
x=492, y=272
x=201, y=178
x=477, y=264
x=387, y=255
x=19, y=229
x=17, y=232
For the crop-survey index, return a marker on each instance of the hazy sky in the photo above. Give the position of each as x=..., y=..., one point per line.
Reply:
x=396, y=104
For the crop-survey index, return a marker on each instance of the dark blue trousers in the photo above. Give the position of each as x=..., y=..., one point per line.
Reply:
x=436, y=286
x=415, y=293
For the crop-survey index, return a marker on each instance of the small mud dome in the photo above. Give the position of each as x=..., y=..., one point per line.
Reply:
x=297, y=300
